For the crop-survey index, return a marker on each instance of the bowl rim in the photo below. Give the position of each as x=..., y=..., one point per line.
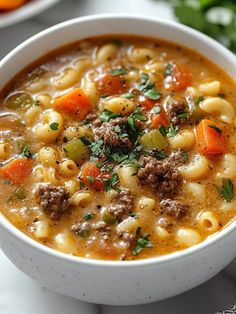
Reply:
x=159, y=260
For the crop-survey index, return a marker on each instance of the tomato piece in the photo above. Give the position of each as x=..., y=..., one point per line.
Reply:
x=146, y=103
x=159, y=120
x=179, y=79
x=209, y=138
x=109, y=85
x=93, y=177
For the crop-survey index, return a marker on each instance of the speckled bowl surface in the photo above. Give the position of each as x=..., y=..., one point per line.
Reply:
x=117, y=282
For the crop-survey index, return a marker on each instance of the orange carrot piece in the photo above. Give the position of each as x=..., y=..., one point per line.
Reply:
x=159, y=120
x=180, y=78
x=10, y=4
x=209, y=138
x=17, y=170
x=75, y=104
x=92, y=176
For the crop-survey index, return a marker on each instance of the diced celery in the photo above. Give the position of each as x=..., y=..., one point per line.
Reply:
x=107, y=217
x=153, y=139
x=18, y=100
x=76, y=150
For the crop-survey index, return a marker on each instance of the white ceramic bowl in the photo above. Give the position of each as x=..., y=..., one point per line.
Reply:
x=117, y=282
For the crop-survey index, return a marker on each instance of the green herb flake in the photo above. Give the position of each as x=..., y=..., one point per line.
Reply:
x=111, y=182
x=173, y=130
x=152, y=93
x=100, y=164
x=183, y=115
x=213, y=126
x=81, y=184
x=198, y=100
x=27, y=153
x=221, y=95
x=54, y=126
x=7, y=182
x=142, y=242
x=168, y=69
x=156, y=110
x=91, y=179
x=88, y=215
x=184, y=156
x=118, y=71
x=37, y=103
x=128, y=95
x=226, y=190
x=163, y=130
x=106, y=115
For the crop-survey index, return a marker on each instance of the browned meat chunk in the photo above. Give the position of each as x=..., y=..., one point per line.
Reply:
x=174, y=208
x=175, y=108
x=114, y=133
x=82, y=229
x=121, y=205
x=94, y=120
x=54, y=200
x=159, y=175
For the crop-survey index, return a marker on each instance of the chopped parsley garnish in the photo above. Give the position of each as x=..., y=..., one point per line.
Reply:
x=37, y=103
x=118, y=71
x=100, y=164
x=91, y=179
x=183, y=115
x=134, y=215
x=168, y=69
x=128, y=95
x=213, y=126
x=88, y=215
x=173, y=130
x=27, y=153
x=221, y=95
x=54, y=126
x=226, y=190
x=198, y=100
x=111, y=182
x=163, y=130
x=156, y=109
x=147, y=88
x=142, y=242
x=7, y=182
x=184, y=156
x=81, y=184
x=106, y=115
x=152, y=93
x=158, y=154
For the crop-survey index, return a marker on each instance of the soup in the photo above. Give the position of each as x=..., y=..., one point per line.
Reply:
x=119, y=148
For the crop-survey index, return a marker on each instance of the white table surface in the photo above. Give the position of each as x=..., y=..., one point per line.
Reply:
x=21, y=295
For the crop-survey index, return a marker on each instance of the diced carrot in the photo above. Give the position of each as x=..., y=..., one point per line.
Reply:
x=17, y=170
x=159, y=120
x=92, y=176
x=146, y=103
x=10, y=4
x=179, y=79
x=75, y=104
x=209, y=138
x=109, y=85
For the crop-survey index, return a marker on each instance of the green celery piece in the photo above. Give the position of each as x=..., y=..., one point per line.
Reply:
x=76, y=150
x=107, y=217
x=153, y=139
x=19, y=100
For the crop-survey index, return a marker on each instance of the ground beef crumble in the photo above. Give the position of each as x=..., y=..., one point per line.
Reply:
x=108, y=133
x=54, y=200
x=174, y=208
x=160, y=176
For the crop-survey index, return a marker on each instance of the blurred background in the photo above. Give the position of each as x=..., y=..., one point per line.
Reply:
x=20, y=19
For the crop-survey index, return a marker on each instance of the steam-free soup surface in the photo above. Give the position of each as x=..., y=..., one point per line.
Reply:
x=119, y=148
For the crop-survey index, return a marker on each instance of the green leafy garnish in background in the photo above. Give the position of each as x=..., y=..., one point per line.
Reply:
x=215, y=18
